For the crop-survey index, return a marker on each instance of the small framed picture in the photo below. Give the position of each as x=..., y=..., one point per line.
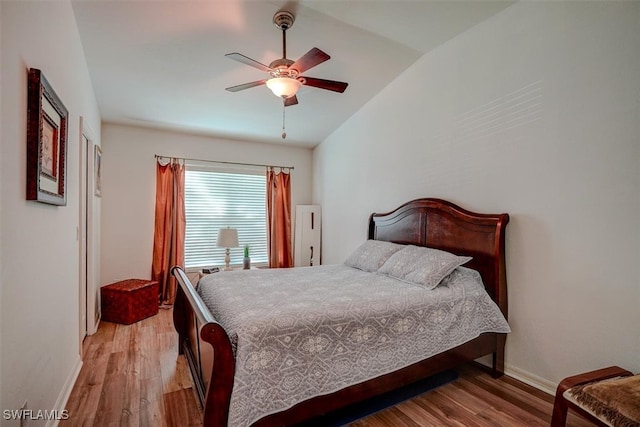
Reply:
x=97, y=170
x=46, y=142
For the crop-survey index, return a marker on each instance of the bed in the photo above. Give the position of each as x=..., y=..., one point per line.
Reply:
x=228, y=351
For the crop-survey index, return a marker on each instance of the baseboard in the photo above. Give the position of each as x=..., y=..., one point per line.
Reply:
x=526, y=377
x=63, y=397
x=97, y=324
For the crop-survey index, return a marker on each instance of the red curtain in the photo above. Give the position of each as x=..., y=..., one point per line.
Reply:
x=170, y=223
x=279, y=219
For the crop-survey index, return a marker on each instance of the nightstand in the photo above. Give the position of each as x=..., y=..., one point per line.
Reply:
x=202, y=273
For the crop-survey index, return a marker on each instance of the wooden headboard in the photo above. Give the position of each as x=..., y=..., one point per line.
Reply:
x=443, y=225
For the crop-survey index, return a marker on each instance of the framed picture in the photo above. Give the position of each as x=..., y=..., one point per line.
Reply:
x=47, y=120
x=97, y=170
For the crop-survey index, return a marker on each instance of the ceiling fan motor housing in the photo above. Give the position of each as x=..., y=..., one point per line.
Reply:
x=280, y=68
x=283, y=19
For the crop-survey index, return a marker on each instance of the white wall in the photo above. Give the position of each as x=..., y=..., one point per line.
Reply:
x=129, y=187
x=534, y=112
x=39, y=250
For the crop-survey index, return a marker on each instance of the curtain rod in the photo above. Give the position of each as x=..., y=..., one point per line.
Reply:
x=225, y=163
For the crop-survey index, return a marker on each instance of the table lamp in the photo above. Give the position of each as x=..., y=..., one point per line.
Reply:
x=227, y=238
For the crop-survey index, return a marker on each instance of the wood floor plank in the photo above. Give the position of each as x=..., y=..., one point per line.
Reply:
x=466, y=400
x=122, y=335
x=130, y=394
x=448, y=411
x=498, y=398
x=175, y=373
x=150, y=365
x=396, y=417
x=518, y=395
x=110, y=405
x=133, y=376
x=129, y=419
x=104, y=334
x=182, y=410
x=152, y=411
x=416, y=412
x=495, y=416
x=85, y=396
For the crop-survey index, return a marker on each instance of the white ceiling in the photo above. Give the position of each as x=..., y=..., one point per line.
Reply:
x=162, y=64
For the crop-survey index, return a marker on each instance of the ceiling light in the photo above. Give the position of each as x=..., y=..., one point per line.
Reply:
x=283, y=87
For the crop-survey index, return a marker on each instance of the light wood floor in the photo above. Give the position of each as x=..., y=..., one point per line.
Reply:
x=132, y=376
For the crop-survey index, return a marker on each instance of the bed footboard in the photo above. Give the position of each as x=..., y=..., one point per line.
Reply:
x=207, y=349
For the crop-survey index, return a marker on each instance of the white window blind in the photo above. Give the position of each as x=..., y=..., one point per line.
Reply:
x=218, y=199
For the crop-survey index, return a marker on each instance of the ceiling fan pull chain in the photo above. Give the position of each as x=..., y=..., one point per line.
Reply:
x=284, y=134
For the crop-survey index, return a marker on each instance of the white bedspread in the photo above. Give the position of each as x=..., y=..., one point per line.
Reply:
x=305, y=332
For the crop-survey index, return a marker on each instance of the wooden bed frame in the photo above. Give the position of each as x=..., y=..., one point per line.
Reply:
x=423, y=222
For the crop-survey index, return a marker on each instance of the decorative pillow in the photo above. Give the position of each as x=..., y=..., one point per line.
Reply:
x=372, y=254
x=421, y=265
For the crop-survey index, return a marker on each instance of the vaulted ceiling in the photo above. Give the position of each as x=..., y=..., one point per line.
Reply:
x=162, y=63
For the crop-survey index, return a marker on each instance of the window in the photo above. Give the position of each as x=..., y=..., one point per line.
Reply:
x=219, y=198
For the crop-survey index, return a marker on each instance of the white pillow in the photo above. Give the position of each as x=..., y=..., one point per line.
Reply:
x=372, y=254
x=421, y=266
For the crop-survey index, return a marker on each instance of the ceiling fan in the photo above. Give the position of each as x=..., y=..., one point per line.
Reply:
x=284, y=74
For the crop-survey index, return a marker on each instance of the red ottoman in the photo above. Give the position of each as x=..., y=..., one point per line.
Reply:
x=129, y=301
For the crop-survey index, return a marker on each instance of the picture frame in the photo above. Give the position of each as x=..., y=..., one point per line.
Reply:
x=97, y=170
x=47, y=130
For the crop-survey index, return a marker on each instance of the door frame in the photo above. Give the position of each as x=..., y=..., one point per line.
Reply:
x=88, y=236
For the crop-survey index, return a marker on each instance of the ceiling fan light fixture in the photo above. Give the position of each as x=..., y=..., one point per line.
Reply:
x=284, y=87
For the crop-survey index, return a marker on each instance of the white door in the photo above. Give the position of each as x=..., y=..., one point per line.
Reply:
x=307, y=237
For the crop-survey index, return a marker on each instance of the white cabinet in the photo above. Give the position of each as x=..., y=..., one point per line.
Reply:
x=307, y=237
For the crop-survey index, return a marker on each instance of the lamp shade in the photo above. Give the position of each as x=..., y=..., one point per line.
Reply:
x=283, y=87
x=227, y=238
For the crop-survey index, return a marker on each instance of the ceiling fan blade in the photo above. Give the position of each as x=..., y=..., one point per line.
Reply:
x=248, y=61
x=310, y=59
x=292, y=100
x=245, y=86
x=324, y=84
